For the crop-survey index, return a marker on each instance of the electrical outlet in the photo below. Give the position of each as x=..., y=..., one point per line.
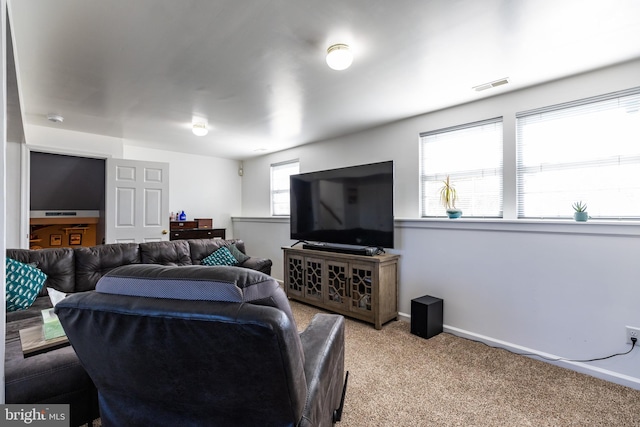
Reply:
x=632, y=333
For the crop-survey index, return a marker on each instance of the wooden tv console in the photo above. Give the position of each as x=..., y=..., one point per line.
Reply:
x=358, y=286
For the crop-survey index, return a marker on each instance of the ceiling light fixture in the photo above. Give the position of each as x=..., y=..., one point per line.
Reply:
x=339, y=57
x=55, y=118
x=200, y=128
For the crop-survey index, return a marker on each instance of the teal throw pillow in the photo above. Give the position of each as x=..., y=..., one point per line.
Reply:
x=220, y=257
x=237, y=254
x=24, y=282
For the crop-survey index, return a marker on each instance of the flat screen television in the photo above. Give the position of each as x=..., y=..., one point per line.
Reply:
x=349, y=206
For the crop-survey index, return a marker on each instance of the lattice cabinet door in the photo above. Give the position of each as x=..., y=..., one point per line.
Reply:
x=337, y=284
x=361, y=287
x=295, y=276
x=314, y=277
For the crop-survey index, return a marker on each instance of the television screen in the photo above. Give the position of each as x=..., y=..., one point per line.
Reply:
x=352, y=206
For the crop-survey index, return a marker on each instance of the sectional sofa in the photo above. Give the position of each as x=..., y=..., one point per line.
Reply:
x=56, y=376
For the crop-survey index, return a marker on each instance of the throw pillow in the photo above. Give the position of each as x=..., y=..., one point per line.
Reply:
x=24, y=282
x=220, y=257
x=237, y=254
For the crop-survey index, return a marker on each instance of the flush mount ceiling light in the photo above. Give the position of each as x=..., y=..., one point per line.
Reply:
x=339, y=57
x=199, y=128
x=55, y=118
x=492, y=84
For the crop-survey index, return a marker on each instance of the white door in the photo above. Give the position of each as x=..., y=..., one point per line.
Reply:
x=137, y=202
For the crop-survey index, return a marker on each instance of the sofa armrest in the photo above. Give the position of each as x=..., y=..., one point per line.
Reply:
x=323, y=347
x=260, y=264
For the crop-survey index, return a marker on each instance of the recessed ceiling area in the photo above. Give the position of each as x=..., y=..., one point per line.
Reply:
x=255, y=70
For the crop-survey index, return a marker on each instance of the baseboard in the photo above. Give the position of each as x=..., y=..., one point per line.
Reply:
x=594, y=371
x=404, y=317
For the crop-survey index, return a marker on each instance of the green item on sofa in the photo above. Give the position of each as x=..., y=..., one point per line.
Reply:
x=221, y=256
x=24, y=282
x=237, y=254
x=51, y=324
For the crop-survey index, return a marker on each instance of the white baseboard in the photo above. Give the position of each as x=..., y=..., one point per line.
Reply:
x=581, y=367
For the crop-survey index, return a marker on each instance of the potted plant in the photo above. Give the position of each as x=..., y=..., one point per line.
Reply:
x=448, y=197
x=580, y=213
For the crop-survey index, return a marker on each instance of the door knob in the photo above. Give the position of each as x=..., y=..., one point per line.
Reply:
x=164, y=231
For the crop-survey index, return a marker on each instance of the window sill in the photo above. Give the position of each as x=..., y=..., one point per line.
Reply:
x=591, y=227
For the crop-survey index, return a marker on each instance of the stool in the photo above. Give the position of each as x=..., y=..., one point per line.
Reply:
x=426, y=316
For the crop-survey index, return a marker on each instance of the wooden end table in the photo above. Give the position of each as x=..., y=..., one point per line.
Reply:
x=33, y=341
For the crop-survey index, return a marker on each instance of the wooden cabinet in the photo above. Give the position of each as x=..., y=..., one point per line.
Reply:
x=197, y=229
x=362, y=287
x=183, y=225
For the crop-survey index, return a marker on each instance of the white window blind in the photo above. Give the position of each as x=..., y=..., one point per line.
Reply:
x=280, y=174
x=588, y=151
x=471, y=155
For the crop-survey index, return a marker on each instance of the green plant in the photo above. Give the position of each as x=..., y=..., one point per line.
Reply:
x=448, y=194
x=579, y=206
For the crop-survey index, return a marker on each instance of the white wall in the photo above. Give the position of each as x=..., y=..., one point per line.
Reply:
x=202, y=186
x=3, y=179
x=13, y=198
x=544, y=287
x=61, y=141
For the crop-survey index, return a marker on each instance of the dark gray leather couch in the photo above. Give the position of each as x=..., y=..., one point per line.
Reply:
x=57, y=376
x=204, y=346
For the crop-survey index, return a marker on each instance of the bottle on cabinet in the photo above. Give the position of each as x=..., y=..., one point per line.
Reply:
x=183, y=216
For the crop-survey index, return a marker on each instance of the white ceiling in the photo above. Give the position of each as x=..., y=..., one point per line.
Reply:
x=142, y=69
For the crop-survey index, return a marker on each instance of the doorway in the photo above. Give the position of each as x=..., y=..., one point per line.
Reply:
x=67, y=201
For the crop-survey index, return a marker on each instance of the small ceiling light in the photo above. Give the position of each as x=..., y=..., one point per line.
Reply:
x=200, y=129
x=55, y=118
x=339, y=57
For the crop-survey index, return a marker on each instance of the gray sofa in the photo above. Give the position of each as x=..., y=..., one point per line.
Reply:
x=57, y=376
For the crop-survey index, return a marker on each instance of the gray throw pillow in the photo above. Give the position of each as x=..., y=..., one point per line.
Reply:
x=237, y=254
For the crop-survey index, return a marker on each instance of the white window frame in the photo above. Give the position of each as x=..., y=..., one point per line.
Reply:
x=464, y=178
x=290, y=167
x=577, y=162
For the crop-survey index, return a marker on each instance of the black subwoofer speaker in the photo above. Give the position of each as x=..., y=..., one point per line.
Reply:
x=426, y=316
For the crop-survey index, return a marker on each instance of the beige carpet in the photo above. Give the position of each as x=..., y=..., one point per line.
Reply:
x=399, y=379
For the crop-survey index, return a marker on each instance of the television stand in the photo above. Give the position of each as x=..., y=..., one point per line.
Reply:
x=343, y=249
x=358, y=286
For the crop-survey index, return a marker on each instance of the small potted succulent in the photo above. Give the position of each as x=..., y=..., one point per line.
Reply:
x=448, y=197
x=580, y=213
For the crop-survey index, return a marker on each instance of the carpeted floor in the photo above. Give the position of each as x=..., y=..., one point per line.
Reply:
x=399, y=379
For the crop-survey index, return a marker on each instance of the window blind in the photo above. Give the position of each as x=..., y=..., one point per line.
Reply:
x=588, y=151
x=471, y=155
x=280, y=185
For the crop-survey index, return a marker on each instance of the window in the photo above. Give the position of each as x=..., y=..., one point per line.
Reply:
x=588, y=151
x=471, y=155
x=280, y=173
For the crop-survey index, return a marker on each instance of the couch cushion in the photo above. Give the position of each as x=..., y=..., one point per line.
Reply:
x=24, y=282
x=175, y=252
x=196, y=282
x=57, y=263
x=220, y=257
x=94, y=262
x=239, y=256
